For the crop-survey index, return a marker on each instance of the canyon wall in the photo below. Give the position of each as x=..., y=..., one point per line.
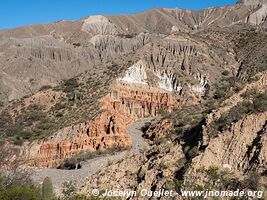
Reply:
x=124, y=103
x=140, y=92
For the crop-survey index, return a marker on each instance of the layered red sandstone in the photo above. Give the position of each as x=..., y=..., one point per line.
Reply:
x=121, y=106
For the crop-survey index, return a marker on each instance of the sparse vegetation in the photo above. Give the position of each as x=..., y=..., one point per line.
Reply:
x=252, y=180
x=162, y=112
x=69, y=189
x=214, y=178
x=227, y=87
x=30, y=124
x=18, y=187
x=257, y=103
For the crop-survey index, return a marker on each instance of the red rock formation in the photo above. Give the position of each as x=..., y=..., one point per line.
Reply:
x=108, y=130
x=121, y=106
x=142, y=101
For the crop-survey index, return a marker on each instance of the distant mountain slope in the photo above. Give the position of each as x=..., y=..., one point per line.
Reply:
x=37, y=55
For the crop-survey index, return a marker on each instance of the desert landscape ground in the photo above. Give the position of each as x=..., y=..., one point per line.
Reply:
x=163, y=100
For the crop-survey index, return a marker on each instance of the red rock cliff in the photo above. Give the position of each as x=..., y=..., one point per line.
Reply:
x=125, y=103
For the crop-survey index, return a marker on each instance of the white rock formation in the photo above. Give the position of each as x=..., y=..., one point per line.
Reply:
x=99, y=24
x=175, y=29
x=259, y=16
x=202, y=87
x=135, y=74
x=167, y=82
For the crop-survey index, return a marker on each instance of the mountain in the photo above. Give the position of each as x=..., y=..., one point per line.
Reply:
x=64, y=49
x=70, y=90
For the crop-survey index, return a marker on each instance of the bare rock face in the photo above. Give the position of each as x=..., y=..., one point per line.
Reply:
x=141, y=103
x=159, y=130
x=259, y=15
x=111, y=46
x=240, y=148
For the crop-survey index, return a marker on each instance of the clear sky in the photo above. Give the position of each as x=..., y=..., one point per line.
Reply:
x=14, y=13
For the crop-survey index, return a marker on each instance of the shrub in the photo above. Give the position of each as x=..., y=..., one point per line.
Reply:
x=59, y=106
x=70, y=85
x=22, y=192
x=225, y=73
x=260, y=103
x=213, y=173
x=69, y=189
x=162, y=111
x=220, y=93
x=77, y=44
x=227, y=86
x=18, y=141
x=18, y=187
x=45, y=87
x=26, y=135
x=262, y=67
x=252, y=180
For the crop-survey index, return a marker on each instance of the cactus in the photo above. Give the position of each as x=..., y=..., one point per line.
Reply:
x=47, y=189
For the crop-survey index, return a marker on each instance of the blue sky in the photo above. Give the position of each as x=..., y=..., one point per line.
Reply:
x=14, y=13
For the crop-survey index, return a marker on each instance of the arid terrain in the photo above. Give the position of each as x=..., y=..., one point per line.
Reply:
x=167, y=99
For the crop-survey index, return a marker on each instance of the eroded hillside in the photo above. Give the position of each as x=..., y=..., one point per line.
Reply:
x=73, y=87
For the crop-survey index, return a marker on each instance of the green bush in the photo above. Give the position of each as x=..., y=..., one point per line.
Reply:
x=45, y=87
x=22, y=192
x=260, y=103
x=18, y=188
x=220, y=93
x=213, y=173
x=262, y=67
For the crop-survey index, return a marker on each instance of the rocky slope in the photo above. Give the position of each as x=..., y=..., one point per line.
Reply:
x=39, y=55
x=185, y=153
x=73, y=87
